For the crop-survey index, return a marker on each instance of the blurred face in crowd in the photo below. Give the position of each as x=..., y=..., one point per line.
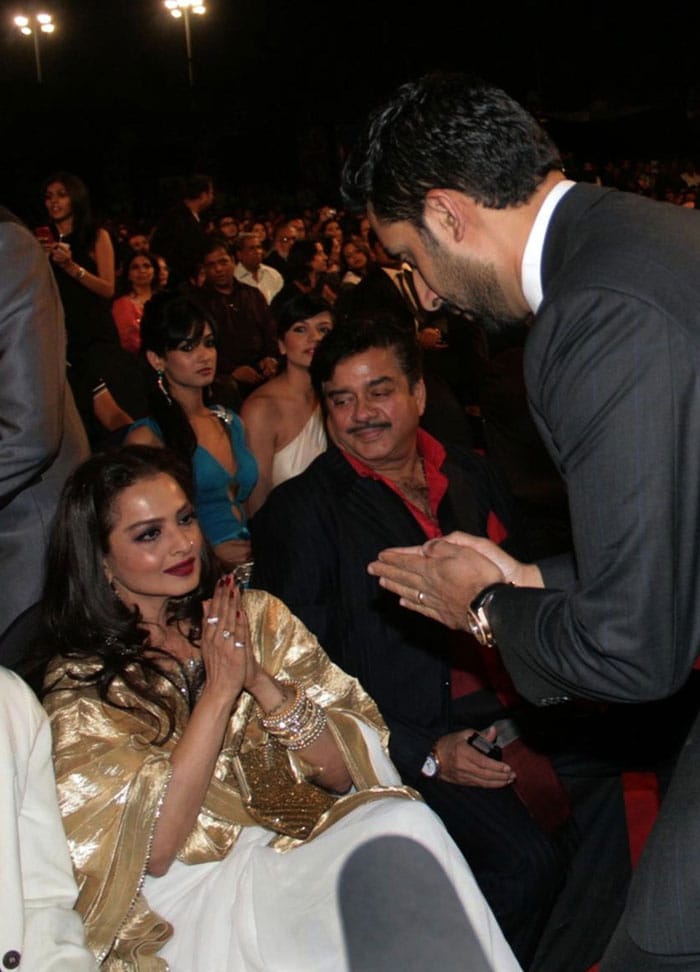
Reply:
x=259, y=230
x=319, y=261
x=333, y=230
x=163, y=272
x=284, y=238
x=228, y=227
x=206, y=200
x=355, y=258
x=299, y=227
x=218, y=269
x=139, y=243
x=140, y=272
x=251, y=254
x=58, y=202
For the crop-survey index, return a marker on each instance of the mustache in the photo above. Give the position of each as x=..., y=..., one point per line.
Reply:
x=368, y=425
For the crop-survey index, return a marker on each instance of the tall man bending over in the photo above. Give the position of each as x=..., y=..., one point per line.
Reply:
x=464, y=184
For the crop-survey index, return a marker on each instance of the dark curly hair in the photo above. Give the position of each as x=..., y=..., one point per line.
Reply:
x=83, y=618
x=447, y=131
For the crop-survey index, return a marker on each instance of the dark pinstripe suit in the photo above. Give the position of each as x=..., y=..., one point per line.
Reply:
x=613, y=376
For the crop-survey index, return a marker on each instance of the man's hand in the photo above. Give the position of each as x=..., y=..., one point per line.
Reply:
x=514, y=572
x=268, y=366
x=462, y=764
x=247, y=375
x=442, y=577
x=438, y=579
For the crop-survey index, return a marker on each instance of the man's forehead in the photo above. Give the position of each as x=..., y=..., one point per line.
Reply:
x=215, y=256
x=370, y=365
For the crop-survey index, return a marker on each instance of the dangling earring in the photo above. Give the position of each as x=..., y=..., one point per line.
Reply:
x=160, y=381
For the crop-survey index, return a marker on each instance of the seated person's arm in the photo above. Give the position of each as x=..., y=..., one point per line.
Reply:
x=260, y=417
x=108, y=412
x=143, y=435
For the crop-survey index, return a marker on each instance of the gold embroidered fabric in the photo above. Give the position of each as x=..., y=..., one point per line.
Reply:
x=112, y=780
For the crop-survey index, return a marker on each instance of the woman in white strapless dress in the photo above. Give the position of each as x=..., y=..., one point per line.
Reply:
x=283, y=418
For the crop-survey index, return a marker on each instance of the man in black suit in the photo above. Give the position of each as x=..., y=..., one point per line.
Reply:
x=179, y=235
x=465, y=185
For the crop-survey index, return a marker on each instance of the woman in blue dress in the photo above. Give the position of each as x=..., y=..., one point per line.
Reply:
x=179, y=343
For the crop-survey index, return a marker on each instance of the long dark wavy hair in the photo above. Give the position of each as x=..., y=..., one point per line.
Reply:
x=168, y=320
x=83, y=617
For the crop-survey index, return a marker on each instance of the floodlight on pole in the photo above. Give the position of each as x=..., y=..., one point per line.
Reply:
x=181, y=9
x=33, y=26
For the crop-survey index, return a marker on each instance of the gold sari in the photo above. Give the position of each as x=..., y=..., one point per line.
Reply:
x=112, y=780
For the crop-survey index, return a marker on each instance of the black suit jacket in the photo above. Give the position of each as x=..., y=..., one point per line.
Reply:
x=312, y=541
x=180, y=238
x=613, y=376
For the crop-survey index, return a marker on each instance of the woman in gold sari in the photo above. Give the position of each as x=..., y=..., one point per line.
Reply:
x=215, y=769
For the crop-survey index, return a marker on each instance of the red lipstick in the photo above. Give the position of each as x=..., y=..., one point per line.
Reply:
x=183, y=569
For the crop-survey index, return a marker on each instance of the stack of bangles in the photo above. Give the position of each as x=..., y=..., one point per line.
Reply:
x=295, y=723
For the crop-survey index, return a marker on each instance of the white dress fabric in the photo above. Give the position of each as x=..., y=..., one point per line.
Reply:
x=301, y=451
x=261, y=910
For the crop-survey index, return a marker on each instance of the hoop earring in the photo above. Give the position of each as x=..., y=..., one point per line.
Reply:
x=160, y=381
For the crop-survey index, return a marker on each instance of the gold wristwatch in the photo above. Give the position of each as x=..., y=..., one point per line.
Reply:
x=477, y=618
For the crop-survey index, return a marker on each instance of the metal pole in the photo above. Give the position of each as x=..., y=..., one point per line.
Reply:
x=37, y=55
x=188, y=44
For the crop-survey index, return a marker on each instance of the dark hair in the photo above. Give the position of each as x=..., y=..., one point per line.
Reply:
x=85, y=228
x=299, y=260
x=361, y=247
x=451, y=132
x=299, y=308
x=357, y=334
x=196, y=184
x=226, y=214
x=324, y=226
x=213, y=243
x=168, y=320
x=83, y=617
x=125, y=283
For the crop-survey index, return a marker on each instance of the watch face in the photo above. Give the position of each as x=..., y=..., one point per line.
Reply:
x=430, y=767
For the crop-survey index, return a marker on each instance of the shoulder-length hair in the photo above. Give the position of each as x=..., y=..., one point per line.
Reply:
x=84, y=225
